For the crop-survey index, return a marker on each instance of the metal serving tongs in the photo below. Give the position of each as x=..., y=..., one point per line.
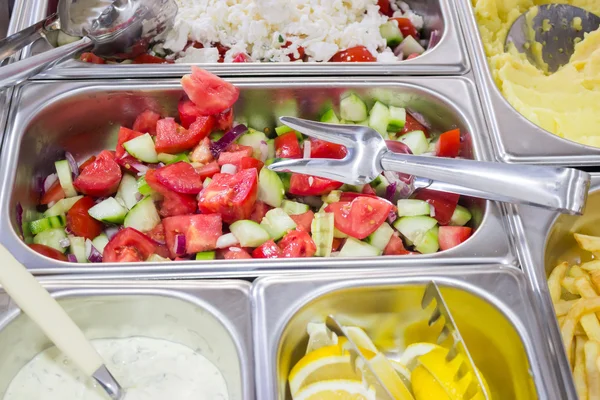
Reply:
x=558, y=189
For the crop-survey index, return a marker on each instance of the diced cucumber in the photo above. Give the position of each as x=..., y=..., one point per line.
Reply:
x=416, y=141
x=339, y=234
x=352, y=108
x=172, y=158
x=77, y=248
x=355, y=248
x=322, y=233
x=381, y=188
x=128, y=191
x=277, y=223
x=294, y=208
x=391, y=33
x=142, y=148
x=51, y=238
x=260, y=121
x=411, y=46
x=282, y=130
x=428, y=243
x=332, y=197
x=285, y=108
x=377, y=180
x=65, y=177
x=379, y=118
x=109, y=210
x=249, y=233
x=271, y=148
x=143, y=216
x=352, y=188
x=413, y=207
x=100, y=242
x=206, y=182
x=381, y=237
x=143, y=187
x=460, y=216
x=62, y=206
x=206, y=255
x=41, y=225
x=253, y=139
x=329, y=117
x=397, y=119
x=157, y=258
x=270, y=187
x=413, y=227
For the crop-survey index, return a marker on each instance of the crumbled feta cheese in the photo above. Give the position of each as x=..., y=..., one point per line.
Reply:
x=193, y=56
x=416, y=20
x=387, y=56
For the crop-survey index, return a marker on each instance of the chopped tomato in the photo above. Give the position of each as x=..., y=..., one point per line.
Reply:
x=125, y=135
x=87, y=162
x=354, y=54
x=360, y=217
x=406, y=27
x=209, y=170
x=180, y=177
x=303, y=221
x=385, y=8
x=297, y=244
x=301, y=52
x=101, y=178
x=395, y=247
x=146, y=122
x=452, y=236
x=413, y=125
x=368, y=189
x=79, y=220
x=202, y=153
x=443, y=203
x=201, y=232
x=233, y=253
x=235, y=157
x=172, y=138
x=48, y=252
x=337, y=243
x=259, y=211
x=210, y=93
x=413, y=55
x=241, y=58
x=188, y=112
x=251, y=162
x=232, y=196
x=322, y=149
x=157, y=234
x=267, y=250
x=150, y=59
x=287, y=146
x=225, y=120
x=448, y=144
x=173, y=203
x=349, y=196
x=53, y=194
x=128, y=245
x=307, y=185
x=92, y=58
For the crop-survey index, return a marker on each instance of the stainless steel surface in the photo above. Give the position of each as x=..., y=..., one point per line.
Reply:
x=108, y=382
x=83, y=117
x=514, y=137
x=542, y=24
x=492, y=306
x=25, y=37
x=448, y=57
x=561, y=189
x=211, y=317
x=4, y=17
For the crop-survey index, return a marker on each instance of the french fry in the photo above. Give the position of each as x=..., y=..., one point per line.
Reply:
x=569, y=285
x=593, y=265
x=554, y=281
x=562, y=307
x=584, y=287
x=582, y=307
x=586, y=242
x=576, y=272
x=579, y=375
x=592, y=350
x=596, y=279
x=591, y=326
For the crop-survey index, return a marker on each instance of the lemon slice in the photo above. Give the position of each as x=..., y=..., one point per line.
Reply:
x=414, y=351
x=425, y=386
x=401, y=369
x=319, y=336
x=388, y=375
x=360, y=338
x=340, y=389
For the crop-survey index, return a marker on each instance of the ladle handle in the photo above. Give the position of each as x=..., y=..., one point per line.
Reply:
x=17, y=41
x=37, y=303
x=15, y=73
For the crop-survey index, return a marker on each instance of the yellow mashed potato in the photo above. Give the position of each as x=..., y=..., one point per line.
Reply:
x=566, y=103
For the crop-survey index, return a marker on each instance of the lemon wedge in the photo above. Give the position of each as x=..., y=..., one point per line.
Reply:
x=319, y=336
x=340, y=389
x=425, y=386
x=389, y=377
x=360, y=338
x=414, y=351
x=401, y=369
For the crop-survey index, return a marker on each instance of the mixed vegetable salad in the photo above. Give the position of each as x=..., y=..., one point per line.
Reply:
x=179, y=189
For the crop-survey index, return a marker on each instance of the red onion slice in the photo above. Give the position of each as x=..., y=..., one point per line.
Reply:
x=72, y=258
x=228, y=169
x=72, y=164
x=227, y=240
x=49, y=181
x=390, y=191
x=91, y=253
x=111, y=231
x=140, y=168
x=434, y=39
x=392, y=216
x=180, y=245
x=64, y=243
x=231, y=136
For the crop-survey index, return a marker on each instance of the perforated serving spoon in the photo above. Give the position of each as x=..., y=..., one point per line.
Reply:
x=558, y=189
x=41, y=307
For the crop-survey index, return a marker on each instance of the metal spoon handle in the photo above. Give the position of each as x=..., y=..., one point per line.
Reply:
x=559, y=189
x=17, y=41
x=15, y=73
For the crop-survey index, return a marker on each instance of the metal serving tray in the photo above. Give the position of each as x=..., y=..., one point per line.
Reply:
x=492, y=307
x=56, y=116
x=515, y=138
x=211, y=317
x=449, y=57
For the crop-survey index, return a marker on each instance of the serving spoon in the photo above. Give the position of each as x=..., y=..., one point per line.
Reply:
x=45, y=311
x=547, y=34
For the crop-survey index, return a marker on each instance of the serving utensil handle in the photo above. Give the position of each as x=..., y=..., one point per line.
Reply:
x=17, y=41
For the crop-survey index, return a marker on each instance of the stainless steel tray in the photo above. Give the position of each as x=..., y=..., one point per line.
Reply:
x=515, y=138
x=449, y=57
x=212, y=317
x=492, y=306
x=54, y=116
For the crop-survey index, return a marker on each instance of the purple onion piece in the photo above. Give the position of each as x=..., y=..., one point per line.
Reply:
x=390, y=191
x=179, y=244
x=19, y=211
x=68, y=230
x=139, y=168
x=231, y=136
x=392, y=216
x=139, y=196
x=72, y=258
x=434, y=39
x=72, y=164
x=111, y=231
x=95, y=256
x=48, y=182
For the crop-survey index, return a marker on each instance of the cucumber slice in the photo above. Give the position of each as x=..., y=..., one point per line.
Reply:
x=397, y=119
x=172, y=158
x=270, y=187
x=277, y=223
x=249, y=233
x=460, y=216
x=142, y=148
x=428, y=242
x=78, y=248
x=352, y=108
x=41, y=225
x=282, y=130
x=51, y=238
x=381, y=237
x=411, y=208
x=157, y=258
x=294, y=208
x=391, y=33
x=65, y=177
x=332, y=197
x=329, y=117
x=143, y=216
x=322, y=233
x=206, y=255
x=411, y=46
x=62, y=206
x=352, y=188
x=143, y=187
x=253, y=139
x=381, y=187
x=416, y=141
x=379, y=119
x=109, y=210
x=413, y=227
x=355, y=248
x=339, y=234
x=271, y=148
x=100, y=242
x=128, y=191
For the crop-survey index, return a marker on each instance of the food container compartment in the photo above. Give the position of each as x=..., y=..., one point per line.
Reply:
x=210, y=317
x=449, y=57
x=491, y=305
x=58, y=116
x=515, y=138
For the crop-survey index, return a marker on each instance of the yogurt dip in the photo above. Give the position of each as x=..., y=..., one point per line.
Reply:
x=148, y=369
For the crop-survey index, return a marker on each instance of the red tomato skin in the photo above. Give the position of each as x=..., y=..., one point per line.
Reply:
x=241, y=58
x=224, y=120
x=128, y=245
x=53, y=194
x=368, y=189
x=443, y=203
x=413, y=55
x=232, y=196
x=146, y=122
x=360, y=217
x=101, y=178
x=87, y=162
x=79, y=220
x=354, y=54
x=303, y=221
x=384, y=8
x=125, y=135
x=92, y=58
x=173, y=203
x=395, y=247
x=251, y=162
x=235, y=157
x=201, y=232
x=337, y=244
x=173, y=138
x=406, y=27
x=157, y=233
x=150, y=59
x=209, y=170
x=48, y=252
x=188, y=112
x=349, y=196
x=229, y=254
x=448, y=144
x=180, y=177
x=287, y=146
x=452, y=236
x=413, y=125
x=210, y=93
x=202, y=153
x=259, y=211
x=306, y=185
x=297, y=244
x=267, y=250
x=322, y=149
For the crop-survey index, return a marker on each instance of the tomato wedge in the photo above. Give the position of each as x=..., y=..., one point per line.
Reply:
x=354, y=54
x=180, y=177
x=233, y=253
x=128, y=245
x=413, y=125
x=452, y=236
x=146, y=122
x=259, y=211
x=443, y=203
x=349, y=196
x=235, y=157
x=101, y=178
x=209, y=170
x=297, y=244
x=406, y=27
x=232, y=196
x=360, y=217
x=48, y=252
x=303, y=221
x=173, y=138
x=91, y=58
x=173, y=203
x=395, y=247
x=448, y=145
x=201, y=232
x=251, y=162
x=188, y=112
x=267, y=250
x=307, y=185
x=210, y=93
x=287, y=146
x=322, y=149
x=87, y=162
x=79, y=220
x=385, y=8
x=53, y=194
